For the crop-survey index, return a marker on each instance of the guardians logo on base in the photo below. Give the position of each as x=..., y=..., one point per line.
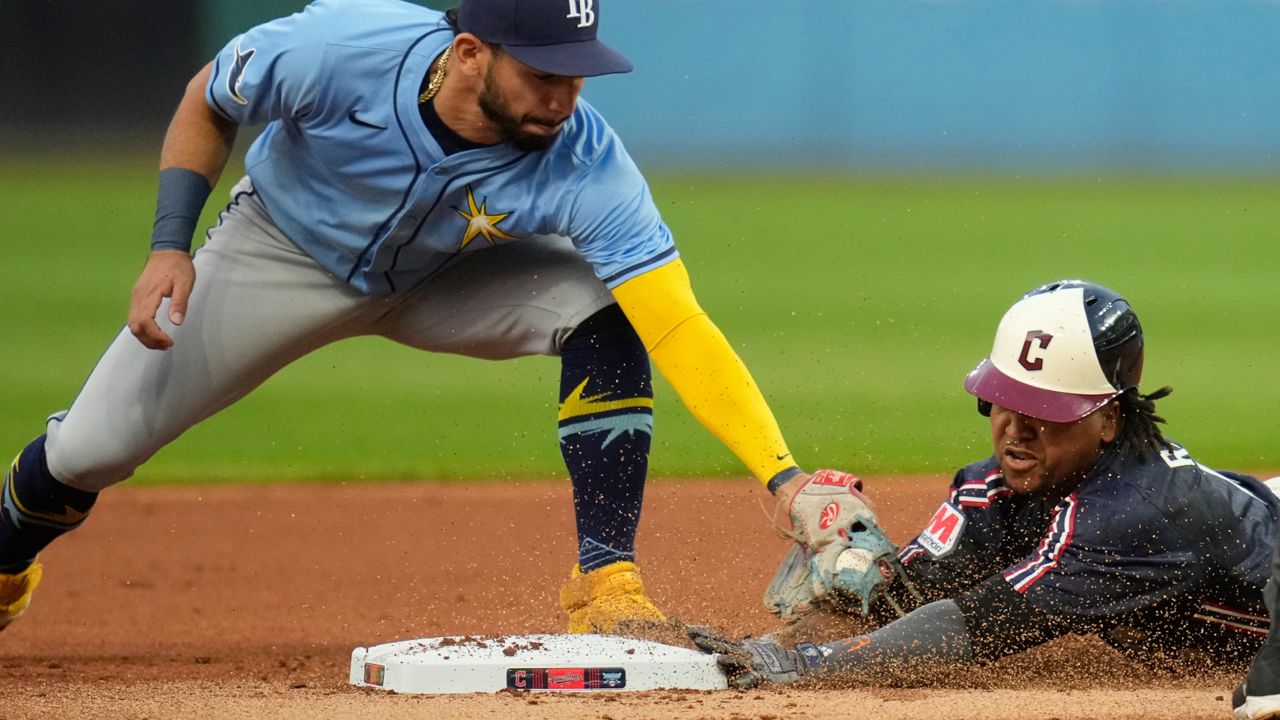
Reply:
x=374, y=674
x=566, y=678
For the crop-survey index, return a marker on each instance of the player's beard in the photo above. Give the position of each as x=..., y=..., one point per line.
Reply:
x=511, y=128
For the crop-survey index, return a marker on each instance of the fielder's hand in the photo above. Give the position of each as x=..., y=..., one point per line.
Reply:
x=841, y=557
x=813, y=509
x=847, y=575
x=751, y=663
x=167, y=274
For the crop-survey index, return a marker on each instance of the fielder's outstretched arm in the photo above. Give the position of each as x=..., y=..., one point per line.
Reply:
x=711, y=379
x=196, y=149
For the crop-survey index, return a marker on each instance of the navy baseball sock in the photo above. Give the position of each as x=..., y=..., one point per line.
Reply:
x=606, y=426
x=35, y=508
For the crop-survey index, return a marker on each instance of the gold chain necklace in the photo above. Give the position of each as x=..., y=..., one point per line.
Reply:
x=438, y=79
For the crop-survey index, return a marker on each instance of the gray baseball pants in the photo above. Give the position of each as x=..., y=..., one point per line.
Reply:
x=260, y=302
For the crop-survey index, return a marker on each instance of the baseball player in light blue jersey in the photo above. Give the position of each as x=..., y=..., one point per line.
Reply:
x=433, y=179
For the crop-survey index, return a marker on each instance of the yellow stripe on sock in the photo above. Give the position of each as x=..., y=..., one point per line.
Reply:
x=576, y=405
x=69, y=516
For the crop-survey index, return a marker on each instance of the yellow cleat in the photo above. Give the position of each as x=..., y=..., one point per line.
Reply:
x=606, y=598
x=15, y=592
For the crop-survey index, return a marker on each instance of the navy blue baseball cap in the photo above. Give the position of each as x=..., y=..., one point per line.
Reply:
x=554, y=36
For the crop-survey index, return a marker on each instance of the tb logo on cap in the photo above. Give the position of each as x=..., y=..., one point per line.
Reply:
x=1042, y=339
x=583, y=11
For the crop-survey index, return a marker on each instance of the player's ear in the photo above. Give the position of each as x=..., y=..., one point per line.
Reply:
x=471, y=54
x=1110, y=422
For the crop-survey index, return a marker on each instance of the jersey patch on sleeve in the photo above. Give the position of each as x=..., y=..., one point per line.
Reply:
x=236, y=73
x=943, y=531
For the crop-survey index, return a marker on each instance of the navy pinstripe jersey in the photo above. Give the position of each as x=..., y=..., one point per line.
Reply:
x=1132, y=537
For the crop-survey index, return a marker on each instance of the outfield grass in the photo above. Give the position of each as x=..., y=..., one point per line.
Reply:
x=858, y=303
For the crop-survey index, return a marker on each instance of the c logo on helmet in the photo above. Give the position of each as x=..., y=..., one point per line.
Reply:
x=829, y=515
x=1042, y=339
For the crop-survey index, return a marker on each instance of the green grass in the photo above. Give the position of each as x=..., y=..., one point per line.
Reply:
x=858, y=303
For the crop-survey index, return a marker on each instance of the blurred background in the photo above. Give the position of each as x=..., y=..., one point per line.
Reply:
x=1030, y=86
x=860, y=189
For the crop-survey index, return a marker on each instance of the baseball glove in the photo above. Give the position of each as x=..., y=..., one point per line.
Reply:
x=841, y=556
x=825, y=503
x=848, y=575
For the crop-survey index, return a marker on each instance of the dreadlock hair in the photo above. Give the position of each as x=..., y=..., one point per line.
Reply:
x=1138, y=421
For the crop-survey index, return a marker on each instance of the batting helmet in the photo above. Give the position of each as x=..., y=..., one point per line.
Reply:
x=1062, y=351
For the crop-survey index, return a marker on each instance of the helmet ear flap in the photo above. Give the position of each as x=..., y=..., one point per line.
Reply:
x=984, y=408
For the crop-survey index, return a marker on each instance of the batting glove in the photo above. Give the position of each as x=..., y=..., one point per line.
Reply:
x=752, y=663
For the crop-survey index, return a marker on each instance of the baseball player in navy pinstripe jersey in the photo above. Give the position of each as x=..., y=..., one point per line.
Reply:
x=436, y=180
x=1086, y=519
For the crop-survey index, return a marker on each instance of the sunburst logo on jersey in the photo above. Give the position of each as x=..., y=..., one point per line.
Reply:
x=480, y=223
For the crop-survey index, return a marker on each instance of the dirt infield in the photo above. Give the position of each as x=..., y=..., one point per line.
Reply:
x=245, y=602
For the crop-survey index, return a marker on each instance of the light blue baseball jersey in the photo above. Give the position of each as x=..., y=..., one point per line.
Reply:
x=348, y=170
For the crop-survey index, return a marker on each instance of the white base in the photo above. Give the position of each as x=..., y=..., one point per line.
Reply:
x=532, y=662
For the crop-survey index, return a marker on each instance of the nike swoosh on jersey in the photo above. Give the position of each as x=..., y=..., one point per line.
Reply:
x=353, y=117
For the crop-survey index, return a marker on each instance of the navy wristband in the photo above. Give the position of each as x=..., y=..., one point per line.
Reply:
x=179, y=200
x=776, y=481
